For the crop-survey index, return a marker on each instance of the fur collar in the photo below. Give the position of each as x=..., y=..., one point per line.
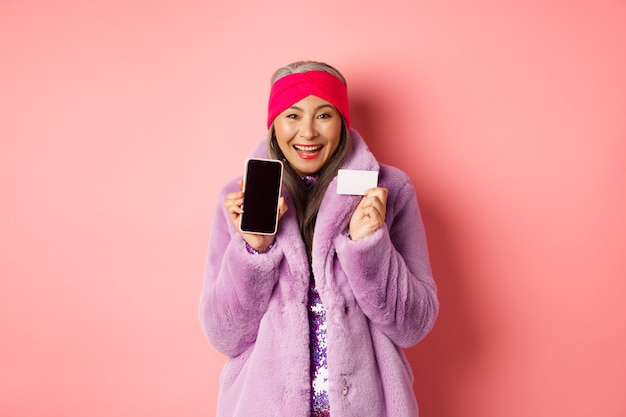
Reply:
x=335, y=211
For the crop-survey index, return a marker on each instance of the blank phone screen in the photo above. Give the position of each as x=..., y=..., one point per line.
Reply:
x=261, y=193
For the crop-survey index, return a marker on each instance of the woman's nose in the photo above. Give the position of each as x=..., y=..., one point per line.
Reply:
x=308, y=129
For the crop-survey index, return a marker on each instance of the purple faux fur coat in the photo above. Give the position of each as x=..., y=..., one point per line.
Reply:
x=379, y=296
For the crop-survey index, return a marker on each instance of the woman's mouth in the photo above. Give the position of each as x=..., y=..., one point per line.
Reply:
x=308, y=151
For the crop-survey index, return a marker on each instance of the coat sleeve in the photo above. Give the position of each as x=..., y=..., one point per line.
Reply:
x=237, y=287
x=389, y=271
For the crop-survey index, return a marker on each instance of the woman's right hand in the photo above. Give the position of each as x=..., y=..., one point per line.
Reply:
x=233, y=205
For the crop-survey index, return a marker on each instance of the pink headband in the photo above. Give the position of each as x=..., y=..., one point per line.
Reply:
x=292, y=88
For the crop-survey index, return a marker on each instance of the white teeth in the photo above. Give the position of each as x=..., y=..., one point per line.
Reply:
x=307, y=148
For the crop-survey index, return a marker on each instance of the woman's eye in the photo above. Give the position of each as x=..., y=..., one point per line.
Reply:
x=323, y=116
x=292, y=116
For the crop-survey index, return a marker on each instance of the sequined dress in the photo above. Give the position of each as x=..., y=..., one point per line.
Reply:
x=320, y=406
x=319, y=366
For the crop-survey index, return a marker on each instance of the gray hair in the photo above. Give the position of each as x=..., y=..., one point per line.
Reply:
x=307, y=202
x=306, y=66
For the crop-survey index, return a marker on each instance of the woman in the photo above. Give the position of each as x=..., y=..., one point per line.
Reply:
x=314, y=318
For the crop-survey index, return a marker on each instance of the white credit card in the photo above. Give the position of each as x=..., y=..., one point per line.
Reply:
x=355, y=182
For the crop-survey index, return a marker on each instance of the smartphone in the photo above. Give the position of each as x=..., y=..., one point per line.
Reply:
x=261, y=187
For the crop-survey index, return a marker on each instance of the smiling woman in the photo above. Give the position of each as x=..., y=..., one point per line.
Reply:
x=308, y=133
x=315, y=327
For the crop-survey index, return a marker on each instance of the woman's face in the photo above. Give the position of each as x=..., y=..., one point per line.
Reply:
x=308, y=134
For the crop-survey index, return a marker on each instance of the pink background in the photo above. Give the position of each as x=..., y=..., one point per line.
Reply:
x=120, y=120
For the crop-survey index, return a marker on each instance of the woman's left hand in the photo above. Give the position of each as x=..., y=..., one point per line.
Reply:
x=369, y=215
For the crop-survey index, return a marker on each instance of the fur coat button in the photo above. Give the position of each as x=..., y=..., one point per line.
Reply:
x=345, y=391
